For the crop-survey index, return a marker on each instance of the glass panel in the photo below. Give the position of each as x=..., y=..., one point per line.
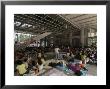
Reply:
x=92, y=37
x=21, y=37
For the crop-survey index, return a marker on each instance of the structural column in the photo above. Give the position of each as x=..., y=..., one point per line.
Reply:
x=86, y=37
x=82, y=37
x=45, y=42
x=71, y=37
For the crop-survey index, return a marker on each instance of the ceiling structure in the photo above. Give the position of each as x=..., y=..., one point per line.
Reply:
x=82, y=20
x=40, y=23
x=55, y=23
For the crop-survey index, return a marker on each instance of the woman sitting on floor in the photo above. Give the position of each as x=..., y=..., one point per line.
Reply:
x=40, y=63
x=21, y=68
x=71, y=57
x=35, y=67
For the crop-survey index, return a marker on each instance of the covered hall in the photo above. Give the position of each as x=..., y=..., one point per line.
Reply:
x=55, y=44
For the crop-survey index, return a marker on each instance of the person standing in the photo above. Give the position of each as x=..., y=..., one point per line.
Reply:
x=57, y=52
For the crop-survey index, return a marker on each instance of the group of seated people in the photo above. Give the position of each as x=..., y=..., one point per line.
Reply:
x=24, y=63
x=84, y=55
x=87, y=55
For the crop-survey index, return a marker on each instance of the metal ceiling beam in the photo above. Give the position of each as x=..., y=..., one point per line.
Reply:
x=87, y=21
x=85, y=18
x=73, y=24
x=77, y=16
x=46, y=24
x=29, y=22
x=34, y=23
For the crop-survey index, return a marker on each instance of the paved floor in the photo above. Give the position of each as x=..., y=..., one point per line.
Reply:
x=92, y=70
x=54, y=72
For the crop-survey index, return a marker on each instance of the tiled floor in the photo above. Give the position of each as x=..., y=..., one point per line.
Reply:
x=92, y=70
x=54, y=72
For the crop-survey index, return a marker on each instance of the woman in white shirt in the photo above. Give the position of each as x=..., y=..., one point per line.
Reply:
x=40, y=64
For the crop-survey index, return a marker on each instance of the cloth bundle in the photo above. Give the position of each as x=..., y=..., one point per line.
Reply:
x=78, y=69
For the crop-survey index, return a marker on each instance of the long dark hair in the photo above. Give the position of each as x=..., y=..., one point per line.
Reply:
x=39, y=61
x=33, y=63
x=19, y=62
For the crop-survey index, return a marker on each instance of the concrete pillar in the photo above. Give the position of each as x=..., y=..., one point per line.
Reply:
x=45, y=40
x=86, y=37
x=82, y=37
x=71, y=39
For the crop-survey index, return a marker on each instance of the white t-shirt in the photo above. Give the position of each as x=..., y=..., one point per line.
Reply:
x=40, y=67
x=57, y=50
